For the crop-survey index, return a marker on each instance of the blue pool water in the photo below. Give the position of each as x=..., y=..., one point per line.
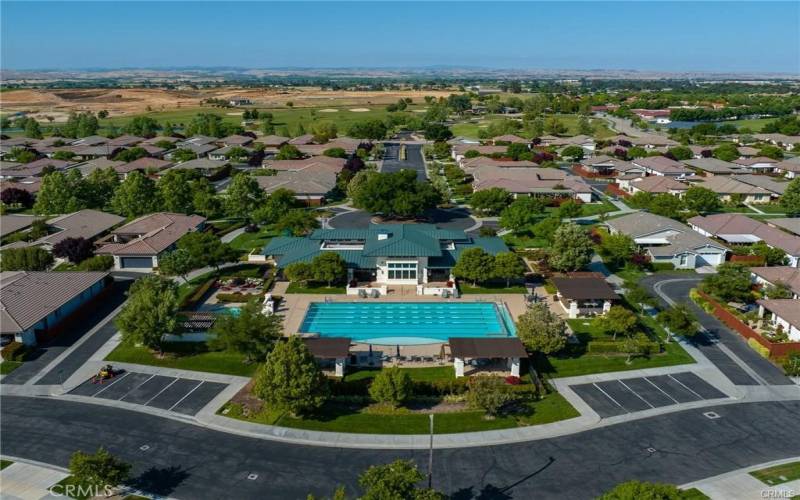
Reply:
x=407, y=323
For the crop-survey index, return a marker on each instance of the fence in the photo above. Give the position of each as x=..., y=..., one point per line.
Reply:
x=776, y=350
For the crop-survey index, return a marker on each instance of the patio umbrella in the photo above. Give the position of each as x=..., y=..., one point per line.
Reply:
x=398, y=350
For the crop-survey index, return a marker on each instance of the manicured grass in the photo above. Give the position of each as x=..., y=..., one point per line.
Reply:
x=5, y=463
x=427, y=374
x=694, y=494
x=771, y=208
x=735, y=209
x=185, y=356
x=72, y=488
x=524, y=239
x=7, y=367
x=488, y=288
x=340, y=416
x=575, y=360
x=469, y=129
x=597, y=208
x=778, y=474
x=754, y=124
x=312, y=287
x=247, y=242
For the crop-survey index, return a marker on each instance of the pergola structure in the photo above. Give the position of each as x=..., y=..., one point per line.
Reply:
x=330, y=349
x=506, y=348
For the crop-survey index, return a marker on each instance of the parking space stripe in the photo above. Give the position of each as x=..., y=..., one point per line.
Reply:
x=148, y=379
x=660, y=389
x=159, y=392
x=609, y=397
x=635, y=393
x=187, y=395
x=685, y=387
x=109, y=385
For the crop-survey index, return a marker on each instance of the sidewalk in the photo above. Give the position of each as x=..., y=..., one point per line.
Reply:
x=740, y=484
x=30, y=481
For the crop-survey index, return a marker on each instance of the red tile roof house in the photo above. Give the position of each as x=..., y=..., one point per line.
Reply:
x=35, y=302
x=772, y=276
x=654, y=184
x=532, y=181
x=137, y=245
x=784, y=314
x=740, y=229
x=459, y=150
x=88, y=224
x=661, y=165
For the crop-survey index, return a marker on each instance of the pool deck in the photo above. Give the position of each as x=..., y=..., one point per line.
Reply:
x=294, y=306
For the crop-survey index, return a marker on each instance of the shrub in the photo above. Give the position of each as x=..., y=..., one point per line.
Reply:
x=15, y=351
x=97, y=263
x=192, y=300
x=791, y=364
x=756, y=345
x=234, y=297
x=662, y=266
x=489, y=394
x=391, y=385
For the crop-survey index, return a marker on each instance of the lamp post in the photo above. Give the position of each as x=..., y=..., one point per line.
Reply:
x=430, y=456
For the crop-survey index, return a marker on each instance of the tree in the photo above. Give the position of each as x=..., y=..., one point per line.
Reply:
x=181, y=155
x=175, y=191
x=546, y=228
x=618, y=320
x=369, y=129
x=639, y=490
x=276, y=205
x=299, y=272
x=205, y=249
x=204, y=197
x=290, y=379
x=542, y=330
x=60, y=193
x=391, y=385
x=730, y=283
x=395, y=481
x=508, y=266
x=393, y=194
x=571, y=249
x=243, y=196
x=25, y=259
x=666, y=205
x=574, y=153
x=329, y=267
x=335, y=153
x=726, y=152
x=32, y=129
x=323, y=131
x=135, y=196
x=617, y=248
x=298, y=222
x=175, y=263
x=131, y=154
x=251, y=333
x=681, y=153
x=142, y=126
x=680, y=320
x=74, y=249
x=771, y=151
x=569, y=209
x=490, y=201
x=100, y=187
x=238, y=154
x=437, y=132
x=489, y=394
x=790, y=201
x=638, y=295
x=521, y=213
x=98, y=470
x=474, y=264
x=701, y=200
x=772, y=256
x=150, y=312
x=15, y=196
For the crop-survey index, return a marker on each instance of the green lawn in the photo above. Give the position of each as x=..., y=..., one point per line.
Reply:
x=7, y=367
x=753, y=124
x=771, y=208
x=247, y=242
x=311, y=287
x=469, y=129
x=185, y=356
x=694, y=494
x=5, y=463
x=778, y=474
x=428, y=374
x=488, y=288
x=524, y=239
x=342, y=416
x=71, y=488
x=575, y=360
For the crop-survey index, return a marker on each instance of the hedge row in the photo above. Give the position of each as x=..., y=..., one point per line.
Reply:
x=433, y=388
x=192, y=300
x=235, y=297
x=15, y=351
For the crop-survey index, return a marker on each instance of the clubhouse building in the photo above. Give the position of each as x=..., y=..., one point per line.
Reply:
x=381, y=256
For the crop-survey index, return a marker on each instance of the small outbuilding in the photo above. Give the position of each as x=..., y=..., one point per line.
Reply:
x=508, y=349
x=584, y=295
x=330, y=351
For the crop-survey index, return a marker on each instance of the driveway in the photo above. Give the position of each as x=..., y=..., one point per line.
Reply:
x=181, y=460
x=718, y=333
x=413, y=161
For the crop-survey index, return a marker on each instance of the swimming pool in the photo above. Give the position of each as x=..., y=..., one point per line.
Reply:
x=407, y=323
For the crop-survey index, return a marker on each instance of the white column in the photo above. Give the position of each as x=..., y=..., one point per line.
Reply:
x=606, y=306
x=458, y=364
x=761, y=311
x=514, y=362
x=573, y=309
x=340, y=367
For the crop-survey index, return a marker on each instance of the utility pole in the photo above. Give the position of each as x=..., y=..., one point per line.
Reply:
x=430, y=456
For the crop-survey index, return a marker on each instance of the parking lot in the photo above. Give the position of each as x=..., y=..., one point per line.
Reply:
x=181, y=395
x=618, y=397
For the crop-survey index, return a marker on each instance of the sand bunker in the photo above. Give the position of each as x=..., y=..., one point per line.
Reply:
x=235, y=114
x=329, y=110
x=359, y=110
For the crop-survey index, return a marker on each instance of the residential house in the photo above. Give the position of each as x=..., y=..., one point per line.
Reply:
x=14, y=223
x=772, y=184
x=790, y=168
x=201, y=150
x=35, y=168
x=775, y=275
x=214, y=169
x=239, y=101
x=310, y=186
x=787, y=142
x=34, y=303
x=653, y=184
x=645, y=140
x=584, y=141
x=161, y=138
x=661, y=165
x=99, y=151
x=532, y=181
x=509, y=139
x=125, y=141
x=666, y=240
x=223, y=153
x=471, y=164
x=758, y=164
x=136, y=246
x=92, y=140
x=307, y=164
x=747, y=151
x=582, y=296
x=97, y=164
x=235, y=140
x=273, y=141
x=599, y=165
x=728, y=188
x=144, y=165
x=790, y=224
x=386, y=255
x=87, y=224
x=302, y=140
x=712, y=166
x=784, y=315
x=459, y=150
x=742, y=230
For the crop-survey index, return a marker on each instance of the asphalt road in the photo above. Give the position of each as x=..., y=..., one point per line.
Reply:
x=186, y=461
x=719, y=333
x=454, y=218
x=414, y=161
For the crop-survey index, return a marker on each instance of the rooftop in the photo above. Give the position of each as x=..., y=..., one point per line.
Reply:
x=584, y=288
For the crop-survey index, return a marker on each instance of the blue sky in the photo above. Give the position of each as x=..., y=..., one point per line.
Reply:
x=666, y=36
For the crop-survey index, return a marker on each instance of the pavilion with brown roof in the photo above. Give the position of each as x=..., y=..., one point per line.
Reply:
x=509, y=349
x=330, y=350
x=584, y=295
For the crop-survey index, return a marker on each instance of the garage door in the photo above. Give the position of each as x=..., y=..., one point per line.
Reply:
x=136, y=262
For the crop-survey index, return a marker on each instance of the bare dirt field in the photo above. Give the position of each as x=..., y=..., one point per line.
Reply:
x=44, y=103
